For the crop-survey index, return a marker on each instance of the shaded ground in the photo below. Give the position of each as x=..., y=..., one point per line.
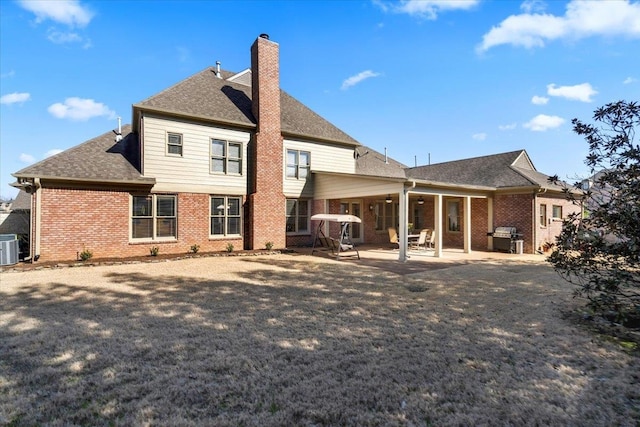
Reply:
x=298, y=340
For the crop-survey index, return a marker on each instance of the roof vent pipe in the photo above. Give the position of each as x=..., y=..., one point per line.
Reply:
x=119, y=133
x=218, y=75
x=386, y=159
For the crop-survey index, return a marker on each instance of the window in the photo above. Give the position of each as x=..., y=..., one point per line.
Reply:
x=298, y=164
x=386, y=215
x=543, y=215
x=453, y=215
x=297, y=212
x=226, y=157
x=174, y=144
x=153, y=217
x=225, y=216
x=557, y=212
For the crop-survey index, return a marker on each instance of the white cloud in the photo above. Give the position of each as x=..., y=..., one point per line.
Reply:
x=68, y=12
x=530, y=6
x=479, y=136
x=542, y=122
x=80, y=109
x=582, y=19
x=354, y=80
x=582, y=92
x=53, y=152
x=9, y=74
x=27, y=158
x=15, y=98
x=510, y=126
x=539, y=100
x=428, y=9
x=62, y=37
x=629, y=80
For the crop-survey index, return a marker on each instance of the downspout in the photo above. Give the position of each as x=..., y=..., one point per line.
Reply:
x=38, y=220
x=404, y=220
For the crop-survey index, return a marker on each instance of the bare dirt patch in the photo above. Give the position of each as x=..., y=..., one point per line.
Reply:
x=298, y=340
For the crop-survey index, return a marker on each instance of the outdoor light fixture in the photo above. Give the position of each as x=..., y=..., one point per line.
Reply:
x=388, y=199
x=420, y=200
x=370, y=206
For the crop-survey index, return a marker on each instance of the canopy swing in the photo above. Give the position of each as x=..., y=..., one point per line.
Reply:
x=336, y=246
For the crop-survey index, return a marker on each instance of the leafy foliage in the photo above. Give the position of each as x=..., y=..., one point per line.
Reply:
x=599, y=250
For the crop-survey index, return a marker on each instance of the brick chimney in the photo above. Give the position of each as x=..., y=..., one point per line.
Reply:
x=266, y=210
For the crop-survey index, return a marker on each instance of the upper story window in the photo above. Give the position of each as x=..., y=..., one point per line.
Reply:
x=153, y=217
x=557, y=212
x=298, y=164
x=226, y=157
x=174, y=144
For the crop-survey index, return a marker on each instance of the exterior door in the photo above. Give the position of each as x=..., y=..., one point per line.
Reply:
x=352, y=207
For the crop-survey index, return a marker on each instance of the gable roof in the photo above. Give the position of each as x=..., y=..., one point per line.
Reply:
x=500, y=171
x=22, y=201
x=369, y=162
x=228, y=100
x=100, y=159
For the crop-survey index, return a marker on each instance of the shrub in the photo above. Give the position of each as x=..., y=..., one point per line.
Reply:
x=230, y=247
x=268, y=245
x=154, y=251
x=195, y=248
x=85, y=255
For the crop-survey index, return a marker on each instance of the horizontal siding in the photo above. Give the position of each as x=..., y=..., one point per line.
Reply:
x=190, y=172
x=324, y=157
x=334, y=187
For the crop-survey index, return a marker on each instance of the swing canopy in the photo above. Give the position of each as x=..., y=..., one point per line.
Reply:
x=336, y=218
x=336, y=246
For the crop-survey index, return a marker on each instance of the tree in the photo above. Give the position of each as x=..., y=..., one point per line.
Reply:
x=599, y=248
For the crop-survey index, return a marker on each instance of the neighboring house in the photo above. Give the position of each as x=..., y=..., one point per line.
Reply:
x=223, y=158
x=14, y=219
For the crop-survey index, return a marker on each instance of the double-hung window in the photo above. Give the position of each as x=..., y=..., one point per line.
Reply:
x=154, y=217
x=298, y=164
x=174, y=144
x=226, y=219
x=543, y=215
x=557, y=212
x=226, y=157
x=297, y=213
x=386, y=215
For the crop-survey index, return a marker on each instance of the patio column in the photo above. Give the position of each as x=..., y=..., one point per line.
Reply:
x=403, y=226
x=467, y=224
x=489, y=223
x=437, y=226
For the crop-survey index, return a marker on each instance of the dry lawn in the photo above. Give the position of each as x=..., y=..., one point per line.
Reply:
x=295, y=340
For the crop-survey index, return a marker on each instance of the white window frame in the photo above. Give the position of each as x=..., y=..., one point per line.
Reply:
x=154, y=217
x=225, y=157
x=226, y=216
x=457, y=213
x=386, y=215
x=174, y=144
x=297, y=166
x=543, y=218
x=296, y=217
x=553, y=212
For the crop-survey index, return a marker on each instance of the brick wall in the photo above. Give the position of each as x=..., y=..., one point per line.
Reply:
x=515, y=210
x=266, y=211
x=553, y=227
x=99, y=220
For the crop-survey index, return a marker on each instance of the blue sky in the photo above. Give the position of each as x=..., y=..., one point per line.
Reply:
x=443, y=80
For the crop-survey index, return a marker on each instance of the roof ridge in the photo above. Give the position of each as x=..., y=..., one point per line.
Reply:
x=469, y=158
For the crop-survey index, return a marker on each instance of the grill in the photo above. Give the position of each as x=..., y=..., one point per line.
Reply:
x=504, y=239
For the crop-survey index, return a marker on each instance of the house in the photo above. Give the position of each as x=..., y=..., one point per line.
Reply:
x=227, y=158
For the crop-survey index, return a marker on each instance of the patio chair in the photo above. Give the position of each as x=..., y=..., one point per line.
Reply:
x=393, y=236
x=421, y=242
x=431, y=240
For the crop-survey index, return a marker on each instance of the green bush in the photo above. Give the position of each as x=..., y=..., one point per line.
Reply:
x=230, y=247
x=195, y=248
x=85, y=255
x=268, y=245
x=154, y=251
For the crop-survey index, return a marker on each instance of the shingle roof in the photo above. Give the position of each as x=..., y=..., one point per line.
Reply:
x=205, y=96
x=100, y=159
x=497, y=171
x=22, y=202
x=372, y=163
